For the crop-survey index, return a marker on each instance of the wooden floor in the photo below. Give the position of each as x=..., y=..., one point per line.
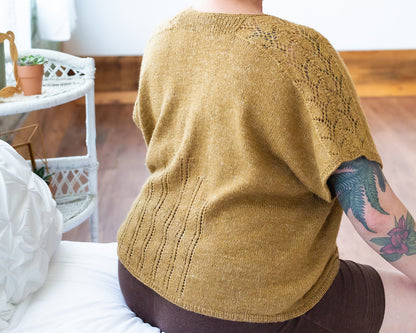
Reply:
x=121, y=153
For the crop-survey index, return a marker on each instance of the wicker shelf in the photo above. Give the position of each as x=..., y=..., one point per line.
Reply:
x=74, y=179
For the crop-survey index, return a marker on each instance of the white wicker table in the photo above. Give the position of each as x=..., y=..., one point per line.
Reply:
x=74, y=179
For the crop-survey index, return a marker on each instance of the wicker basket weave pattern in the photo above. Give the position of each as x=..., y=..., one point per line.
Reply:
x=74, y=180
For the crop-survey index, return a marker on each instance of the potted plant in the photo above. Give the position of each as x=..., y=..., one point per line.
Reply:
x=43, y=173
x=30, y=71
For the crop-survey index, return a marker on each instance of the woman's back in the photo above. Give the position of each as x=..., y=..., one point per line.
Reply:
x=245, y=118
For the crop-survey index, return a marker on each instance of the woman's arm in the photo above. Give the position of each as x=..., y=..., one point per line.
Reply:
x=377, y=214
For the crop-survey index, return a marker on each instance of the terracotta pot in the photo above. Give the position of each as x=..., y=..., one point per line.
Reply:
x=31, y=79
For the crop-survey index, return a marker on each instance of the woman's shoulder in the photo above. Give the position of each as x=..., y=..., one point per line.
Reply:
x=165, y=25
x=273, y=25
x=271, y=32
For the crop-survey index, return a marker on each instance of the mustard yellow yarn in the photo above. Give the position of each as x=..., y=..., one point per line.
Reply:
x=245, y=117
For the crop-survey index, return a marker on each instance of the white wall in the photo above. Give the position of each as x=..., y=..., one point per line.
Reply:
x=122, y=27
x=15, y=16
x=354, y=24
x=118, y=27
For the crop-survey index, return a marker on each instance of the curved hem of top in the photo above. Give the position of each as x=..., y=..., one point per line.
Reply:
x=319, y=292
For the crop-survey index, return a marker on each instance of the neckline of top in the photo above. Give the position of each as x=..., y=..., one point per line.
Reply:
x=199, y=12
x=212, y=21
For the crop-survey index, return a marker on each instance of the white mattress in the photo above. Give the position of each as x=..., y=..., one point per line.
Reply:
x=81, y=295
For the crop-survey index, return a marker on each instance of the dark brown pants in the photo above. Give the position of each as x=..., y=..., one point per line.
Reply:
x=354, y=303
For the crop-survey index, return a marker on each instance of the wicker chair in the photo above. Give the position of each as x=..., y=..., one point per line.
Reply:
x=74, y=179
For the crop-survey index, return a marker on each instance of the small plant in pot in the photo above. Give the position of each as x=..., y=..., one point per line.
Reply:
x=30, y=71
x=43, y=173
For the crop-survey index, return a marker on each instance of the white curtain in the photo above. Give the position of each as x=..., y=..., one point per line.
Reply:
x=55, y=22
x=15, y=15
x=56, y=19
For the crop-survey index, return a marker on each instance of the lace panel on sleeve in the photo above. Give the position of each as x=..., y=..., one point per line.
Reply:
x=323, y=83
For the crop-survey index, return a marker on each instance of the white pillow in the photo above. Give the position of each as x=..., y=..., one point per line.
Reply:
x=30, y=231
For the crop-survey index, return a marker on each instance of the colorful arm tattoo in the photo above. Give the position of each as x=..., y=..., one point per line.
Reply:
x=353, y=182
x=402, y=239
x=356, y=181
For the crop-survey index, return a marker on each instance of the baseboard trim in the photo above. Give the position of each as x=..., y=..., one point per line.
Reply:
x=117, y=73
x=389, y=73
x=116, y=97
x=375, y=74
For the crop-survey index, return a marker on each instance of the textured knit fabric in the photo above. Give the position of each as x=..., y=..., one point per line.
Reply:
x=245, y=117
x=354, y=303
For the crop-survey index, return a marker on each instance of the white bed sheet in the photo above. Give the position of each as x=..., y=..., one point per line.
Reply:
x=81, y=295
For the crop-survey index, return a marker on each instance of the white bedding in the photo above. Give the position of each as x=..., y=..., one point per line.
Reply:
x=30, y=231
x=81, y=295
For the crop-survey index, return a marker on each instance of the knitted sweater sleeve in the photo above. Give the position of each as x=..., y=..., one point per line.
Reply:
x=338, y=128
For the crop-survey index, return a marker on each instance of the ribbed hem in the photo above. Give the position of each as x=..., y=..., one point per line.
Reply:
x=309, y=301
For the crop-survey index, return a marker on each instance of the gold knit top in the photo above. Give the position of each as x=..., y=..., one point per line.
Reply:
x=244, y=117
